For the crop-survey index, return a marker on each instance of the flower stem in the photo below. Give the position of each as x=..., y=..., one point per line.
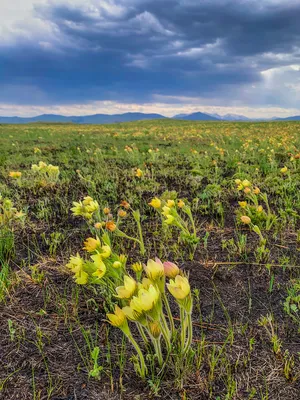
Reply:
x=157, y=347
x=169, y=312
x=190, y=333
x=182, y=323
x=143, y=368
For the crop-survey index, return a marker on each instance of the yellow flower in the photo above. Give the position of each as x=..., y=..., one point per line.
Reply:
x=243, y=204
x=126, y=291
x=91, y=244
x=246, y=183
x=122, y=213
x=106, y=210
x=256, y=190
x=117, y=264
x=145, y=300
x=99, y=225
x=180, y=203
x=111, y=226
x=179, y=287
x=247, y=190
x=99, y=264
x=259, y=209
x=238, y=181
x=284, y=170
x=154, y=329
x=81, y=277
x=75, y=263
x=117, y=319
x=105, y=251
x=171, y=269
x=125, y=204
x=87, y=200
x=137, y=267
x=166, y=210
x=170, y=203
x=154, y=269
x=155, y=203
x=246, y=220
x=169, y=220
x=15, y=174
x=139, y=173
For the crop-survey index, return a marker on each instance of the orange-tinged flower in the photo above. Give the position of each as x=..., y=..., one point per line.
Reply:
x=256, y=190
x=111, y=226
x=122, y=213
x=15, y=174
x=171, y=269
x=247, y=190
x=125, y=204
x=91, y=244
x=245, y=220
x=106, y=210
x=180, y=203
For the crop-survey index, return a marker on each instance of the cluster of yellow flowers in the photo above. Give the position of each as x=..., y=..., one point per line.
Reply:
x=47, y=173
x=168, y=209
x=86, y=208
x=144, y=303
x=246, y=186
x=15, y=174
x=9, y=213
x=103, y=263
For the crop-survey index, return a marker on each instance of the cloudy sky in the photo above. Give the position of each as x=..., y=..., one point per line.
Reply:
x=168, y=56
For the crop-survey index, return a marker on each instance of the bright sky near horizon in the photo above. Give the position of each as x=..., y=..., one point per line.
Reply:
x=77, y=57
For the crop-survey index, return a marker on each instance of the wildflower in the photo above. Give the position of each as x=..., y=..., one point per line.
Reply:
x=170, y=203
x=105, y=251
x=171, y=269
x=36, y=150
x=179, y=287
x=100, y=266
x=81, y=278
x=15, y=174
x=256, y=190
x=154, y=269
x=245, y=220
x=125, y=204
x=284, y=170
x=169, y=220
x=117, y=319
x=117, y=264
x=166, y=211
x=137, y=267
x=246, y=183
x=75, y=263
x=243, y=204
x=154, y=329
x=111, y=226
x=155, y=203
x=238, y=181
x=180, y=203
x=126, y=291
x=139, y=173
x=247, y=190
x=99, y=225
x=106, y=210
x=91, y=244
x=122, y=213
x=259, y=209
x=145, y=300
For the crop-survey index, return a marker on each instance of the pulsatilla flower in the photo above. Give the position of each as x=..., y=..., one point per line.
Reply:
x=15, y=174
x=117, y=319
x=155, y=203
x=100, y=266
x=180, y=203
x=245, y=219
x=179, y=287
x=154, y=269
x=171, y=269
x=106, y=210
x=146, y=300
x=284, y=170
x=243, y=204
x=256, y=190
x=127, y=291
x=122, y=213
x=169, y=220
x=139, y=173
x=170, y=203
x=75, y=263
x=125, y=204
x=111, y=226
x=91, y=244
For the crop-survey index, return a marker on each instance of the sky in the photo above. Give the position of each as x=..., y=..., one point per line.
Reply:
x=78, y=57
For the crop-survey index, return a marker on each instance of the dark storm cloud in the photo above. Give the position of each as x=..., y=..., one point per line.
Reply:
x=130, y=50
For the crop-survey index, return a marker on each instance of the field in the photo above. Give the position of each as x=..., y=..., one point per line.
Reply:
x=224, y=207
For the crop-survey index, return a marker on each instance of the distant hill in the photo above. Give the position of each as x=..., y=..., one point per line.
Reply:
x=197, y=116
x=231, y=117
x=294, y=118
x=87, y=119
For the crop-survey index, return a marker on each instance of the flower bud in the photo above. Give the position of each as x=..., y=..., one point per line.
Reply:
x=171, y=269
x=245, y=220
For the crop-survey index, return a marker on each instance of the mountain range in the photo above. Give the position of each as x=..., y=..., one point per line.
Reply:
x=127, y=117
